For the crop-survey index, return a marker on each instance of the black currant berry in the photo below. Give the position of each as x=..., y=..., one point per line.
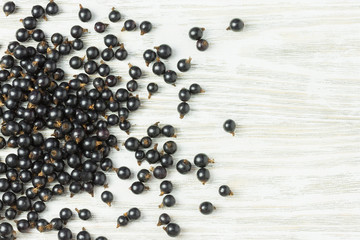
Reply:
x=224, y=191
x=236, y=25
x=170, y=147
x=159, y=172
x=203, y=175
x=137, y=187
x=163, y=51
x=121, y=53
x=122, y=221
x=206, y=208
x=195, y=89
x=168, y=201
x=114, y=15
x=202, y=45
x=123, y=173
x=145, y=27
x=164, y=219
x=84, y=214
x=172, y=229
x=152, y=88
x=129, y=25
x=202, y=160
x=133, y=214
x=165, y=187
x=9, y=8
x=183, y=166
x=196, y=33
x=183, y=108
x=52, y=8
x=168, y=131
x=134, y=71
x=149, y=56
x=229, y=126
x=65, y=234
x=107, y=197
x=184, y=64
x=158, y=67
x=84, y=14
x=170, y=77
x=184, y=95
x=77, y=31
x=100, y=27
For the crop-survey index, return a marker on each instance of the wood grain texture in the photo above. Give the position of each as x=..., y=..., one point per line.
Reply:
x=289, y=80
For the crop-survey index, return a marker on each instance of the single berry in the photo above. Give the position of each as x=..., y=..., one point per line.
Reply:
x=195, y=89
x=152, y=88
x=203, y=175
x=107, y=197
x=170, y=147
x=77, y=31
x=122, y=221
x=65, y=214
x=183, y=166
x=196, y=33
x=159, y=172
x=166, y=160
x=111, y=41
x=184, y=64
x=170, y=77
x=163, y=51
x=158, y=67
x=9, y=8
x=168, y=201
x=149, y=56
x=172, y=229
x=236, y=25
x=206, y=208
x=145, y=27
x=168, y=131
x=164, y=219
x=229, y=126
x=121, y=53
x=202, y=44
x=84, y=14
x=100, y=27
x=224, y=191
x=133, y=214
x=146, y=142
x=65, y=234
x=201, y=160
x=38, y=11
x=134, y=71
x=137, y=187
x=129, y=25
x=184, y=95
x=52, y=8
x=183, y=108
x=84, y=214
x=144, y=175
x=123, y=173
x=114, y=15
x=165, y=187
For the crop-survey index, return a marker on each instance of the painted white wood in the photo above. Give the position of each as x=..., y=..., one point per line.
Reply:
x=289, y=80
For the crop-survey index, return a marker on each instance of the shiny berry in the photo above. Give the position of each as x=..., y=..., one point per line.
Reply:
x=229, y=126
x=84, y=14
x=184, y=64
x=206, y=208
x=236, y=25
x=196, y=33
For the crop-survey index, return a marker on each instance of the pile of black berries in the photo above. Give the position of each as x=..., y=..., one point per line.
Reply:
x=37, y=95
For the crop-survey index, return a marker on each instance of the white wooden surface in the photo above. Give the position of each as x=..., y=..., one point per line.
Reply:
x=289, y=80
